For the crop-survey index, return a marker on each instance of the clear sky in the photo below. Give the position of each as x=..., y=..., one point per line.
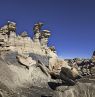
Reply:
x=71, y=22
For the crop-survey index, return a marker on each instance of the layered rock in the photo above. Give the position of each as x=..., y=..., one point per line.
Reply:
x=19, y=56
x=26, y=65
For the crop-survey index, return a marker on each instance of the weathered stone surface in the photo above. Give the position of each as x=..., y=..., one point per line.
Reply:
x=44, y=59
x=19, y=74
x=26, y=63
x=79, y=90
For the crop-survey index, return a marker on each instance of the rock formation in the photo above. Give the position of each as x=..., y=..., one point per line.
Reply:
x=25, y=59
x=21, y=51
x=93, y=57
x=27, y=65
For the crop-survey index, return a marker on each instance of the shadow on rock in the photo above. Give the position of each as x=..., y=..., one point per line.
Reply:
x=54, y=85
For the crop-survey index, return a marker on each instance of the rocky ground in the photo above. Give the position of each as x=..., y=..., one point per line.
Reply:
x=13, y=74
x=84, y=87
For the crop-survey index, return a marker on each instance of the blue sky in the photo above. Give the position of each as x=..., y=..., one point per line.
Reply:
x=71, y=22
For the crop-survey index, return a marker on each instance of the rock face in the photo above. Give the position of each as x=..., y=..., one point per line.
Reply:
x=13, y=74
x=25, y=66
x=19, y=56
x=79, y=90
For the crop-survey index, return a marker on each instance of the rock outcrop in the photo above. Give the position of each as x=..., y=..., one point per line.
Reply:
x=79, y=90
x=19, y=56
x=26, y=65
